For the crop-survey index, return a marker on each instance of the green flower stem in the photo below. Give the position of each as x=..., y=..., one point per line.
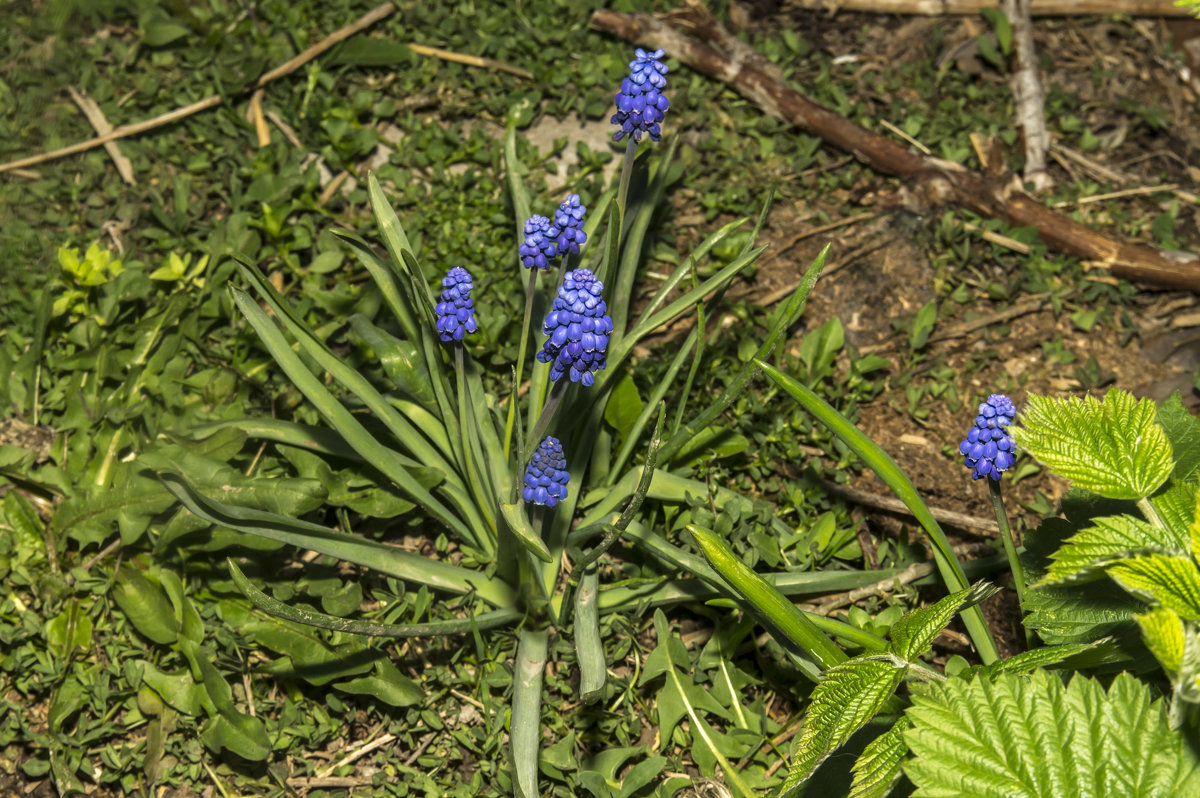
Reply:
x=543, y=422
x=512, y=402
x=471, y=449
x=1010, y=546
x=626, y=176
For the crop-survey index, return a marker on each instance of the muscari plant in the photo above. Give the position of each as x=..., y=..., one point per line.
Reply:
x=526, y=488
x=1033, y=724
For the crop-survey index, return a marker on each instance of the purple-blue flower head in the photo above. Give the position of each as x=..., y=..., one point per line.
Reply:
x=641, y=105
x=546, y=475
x=539, y=249
x=456, y=310
x=568, y=223
x=577, y=327
x=988, y=448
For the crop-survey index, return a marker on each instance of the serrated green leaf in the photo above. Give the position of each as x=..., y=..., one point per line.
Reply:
x=1173, y=582
x=1111, y=447
x=847, y=697
x=1163, y=633
x=912, y=634
x=877, y=769
x=1194, y=534
x=1176, y=508
x=1086, y=553
x=1183, y=431
x=1080, y=613
x=1028, y=661
x=1032, y=737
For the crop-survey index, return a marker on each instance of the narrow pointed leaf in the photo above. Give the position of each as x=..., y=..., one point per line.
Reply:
x=886, y=468
x=912, y=635
x=351, y=548
x=526, y=728
x=877, y=769
x=589, y=648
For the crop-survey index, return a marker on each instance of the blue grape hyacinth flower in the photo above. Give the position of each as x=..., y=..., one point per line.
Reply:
x=988, y=448
x=456, y=310
x=641, y=105
x=538, y=250
x=568, y=223
x=578, y=326
x=546, y=475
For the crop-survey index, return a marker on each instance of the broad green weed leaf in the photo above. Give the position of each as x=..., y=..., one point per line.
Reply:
x=1173, y=582
x=227, y=728
x=145, y=605
x=1032, y=737
x=681, y=697
x=912, y=635
x=1176, y=507
x=1112, y=447
x=177, y=690
x=387, y=684
x=624, y=406
x=1086, y=553
x=1183, y=431
x=1163, y=633
x=877, y=769
x=847, y=697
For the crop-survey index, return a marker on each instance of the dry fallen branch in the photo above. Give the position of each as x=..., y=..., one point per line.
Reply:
x=1027, y=94
x=288, y=67
x=929, y=182
x=100, y=124
x=1045, y=8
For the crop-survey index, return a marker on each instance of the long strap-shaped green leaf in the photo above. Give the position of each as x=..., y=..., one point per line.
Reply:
x=344, y=546
x=787, y=315
x=487, y=620
x=525, y=730
x=882, y=464
x=355, y=382
x=766, y=602
x=374, y=452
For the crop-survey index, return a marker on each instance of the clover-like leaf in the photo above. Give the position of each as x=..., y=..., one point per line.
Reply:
x=1113, y=447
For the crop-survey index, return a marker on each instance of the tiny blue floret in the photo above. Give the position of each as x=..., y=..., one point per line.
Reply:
x=988, y=448
x=546, y=475
x=641, y=105
x=538, y=249
x=577, y=326
x=568, y=223
x=456, y=310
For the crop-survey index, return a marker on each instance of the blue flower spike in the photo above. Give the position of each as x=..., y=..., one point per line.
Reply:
x=641, y=105
x=456, y=310
x=568, y=223
x=578, y=326
x=546, y=475
x=538, y=250
x=988, y=448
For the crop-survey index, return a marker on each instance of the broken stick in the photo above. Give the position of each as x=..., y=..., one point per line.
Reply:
x=930, y=181
x=1045, y=8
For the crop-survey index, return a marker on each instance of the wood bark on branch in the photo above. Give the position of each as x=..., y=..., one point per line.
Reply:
x=928, y=181
x=1044, y=8
x=1027, y=94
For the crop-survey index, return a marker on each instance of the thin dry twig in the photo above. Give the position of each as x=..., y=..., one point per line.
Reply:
x=470, y=60
x=894, y=505
x=100, y=124
x=363, y=22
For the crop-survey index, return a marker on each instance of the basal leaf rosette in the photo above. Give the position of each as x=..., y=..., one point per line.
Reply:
x=1112, y=447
